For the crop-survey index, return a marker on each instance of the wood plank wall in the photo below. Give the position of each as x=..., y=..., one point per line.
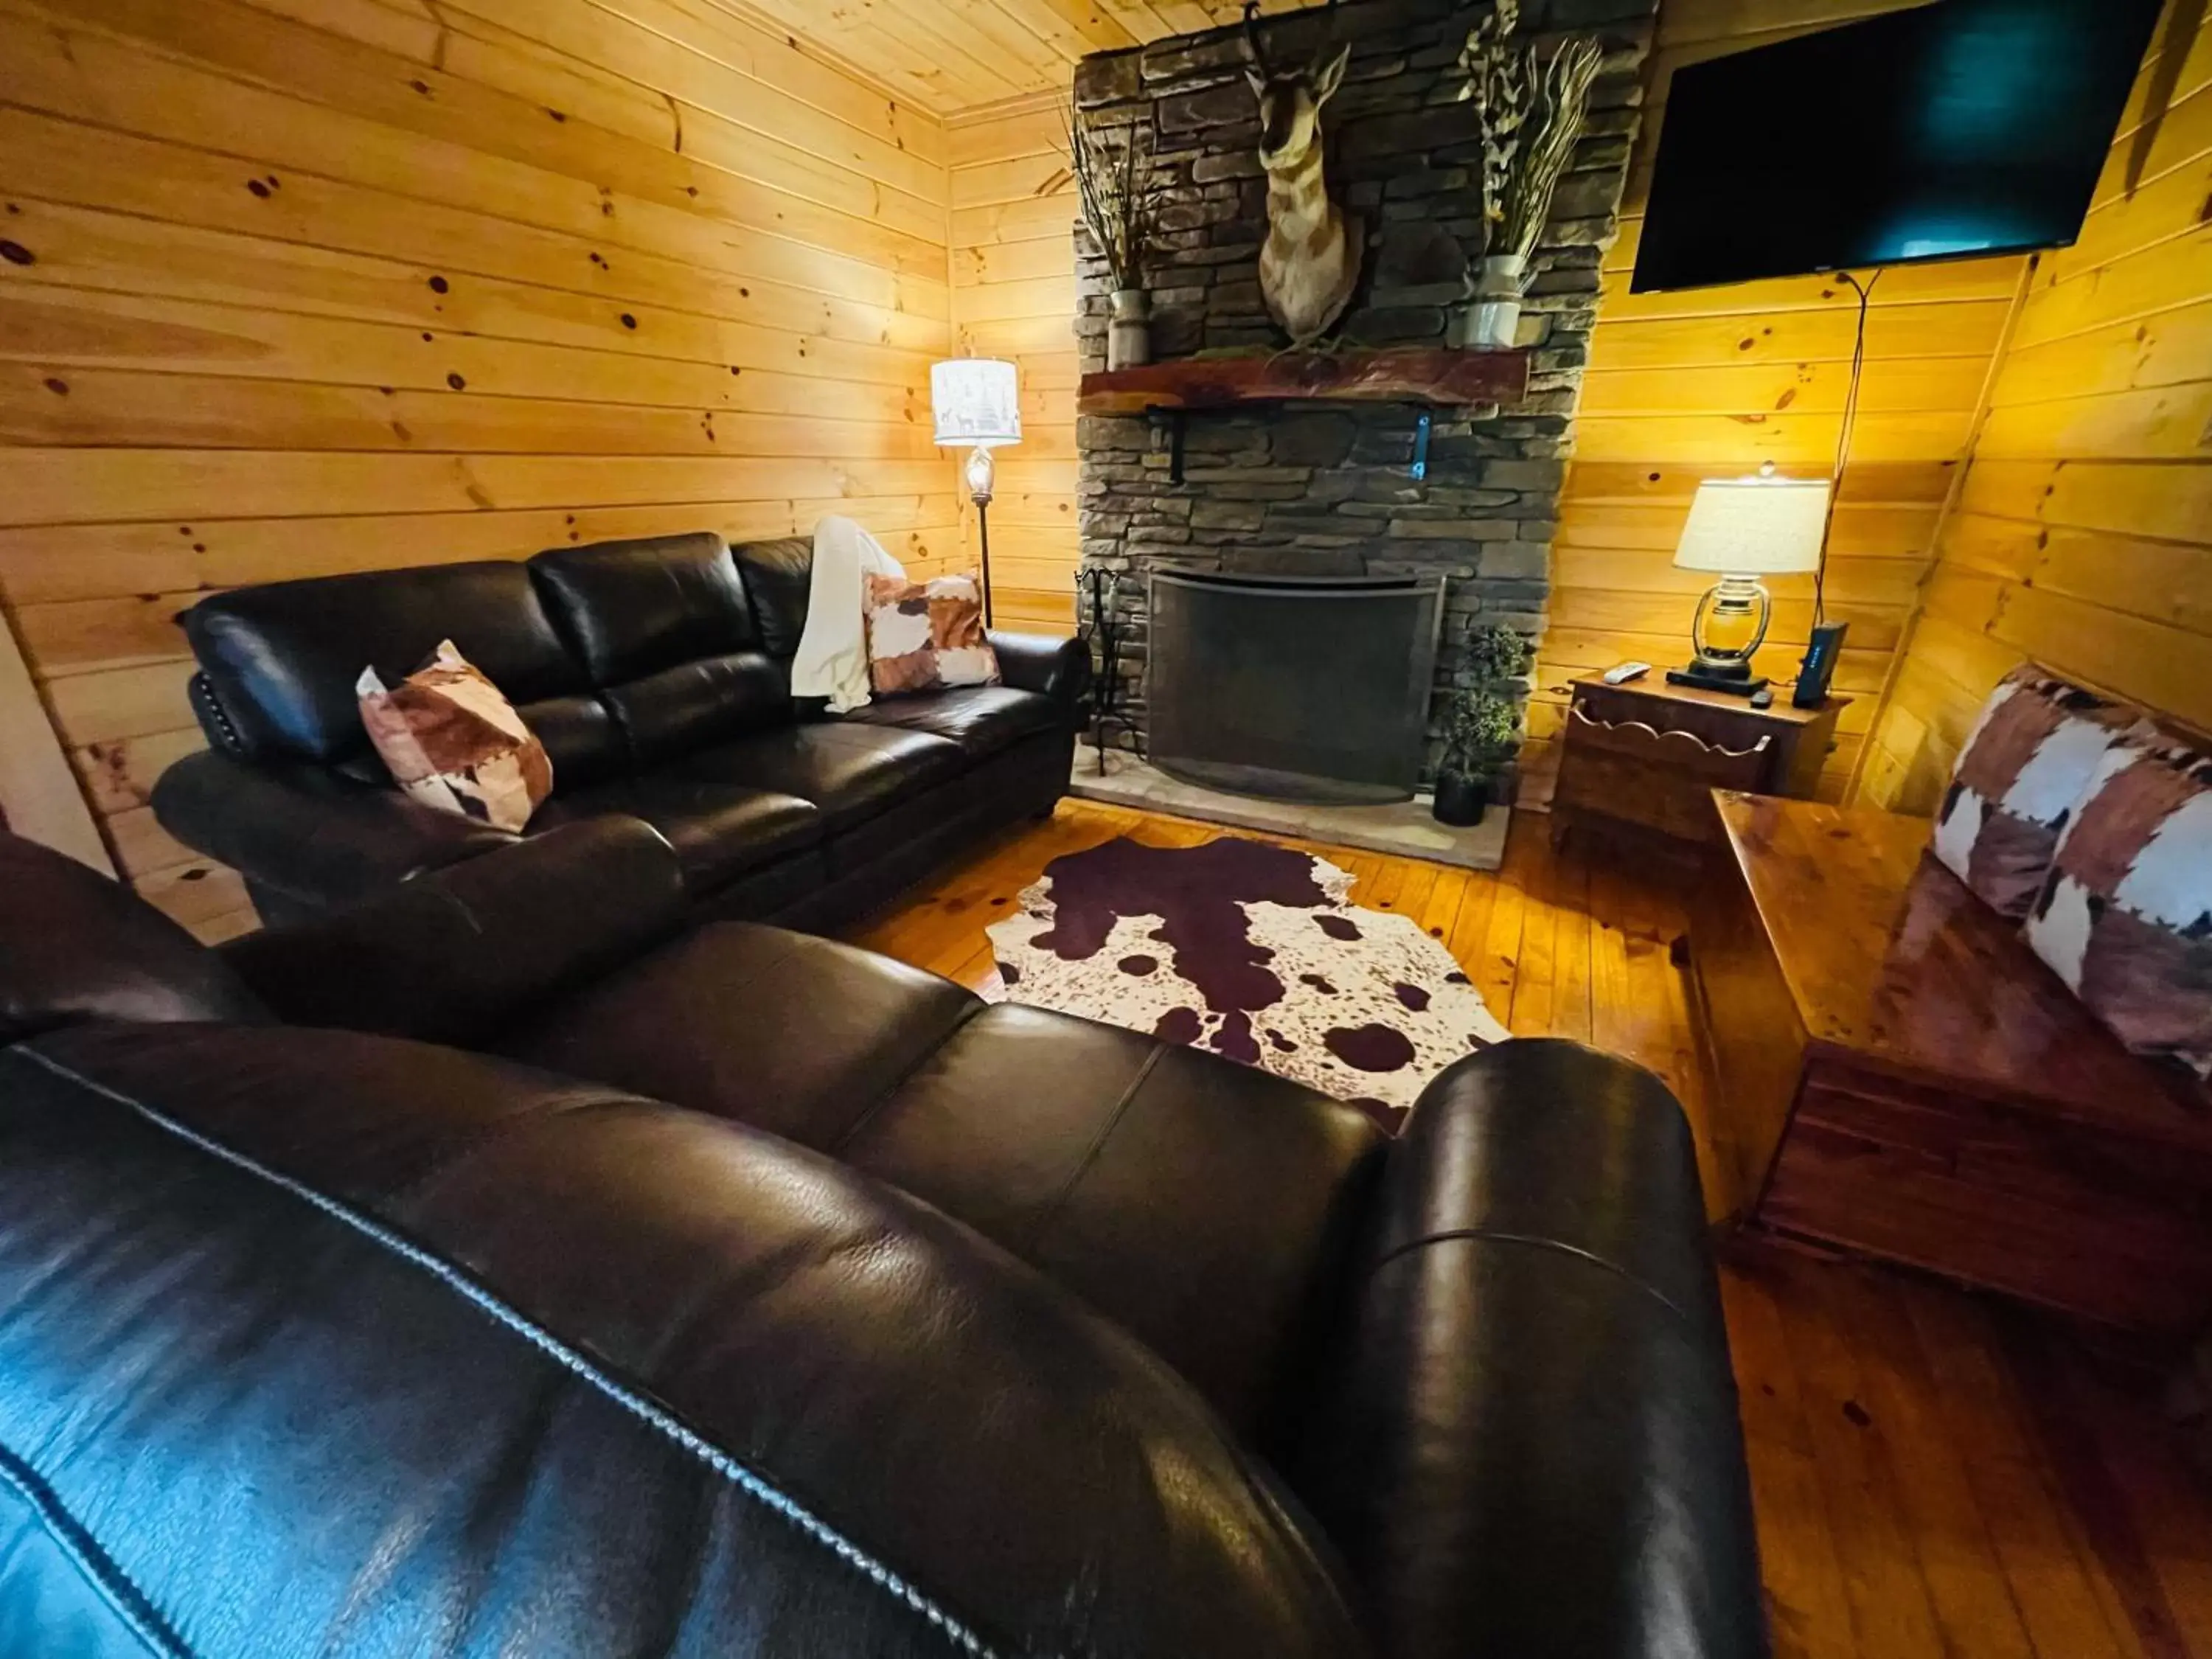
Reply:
x=1013, y=295
x=40, y=794
x=1712, y=382
x=2082, y=534
x=294, y=287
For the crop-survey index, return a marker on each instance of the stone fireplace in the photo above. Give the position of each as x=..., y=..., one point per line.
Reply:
x=1466, y=495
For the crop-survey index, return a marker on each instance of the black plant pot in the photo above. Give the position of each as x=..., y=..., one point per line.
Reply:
x=1461, y=801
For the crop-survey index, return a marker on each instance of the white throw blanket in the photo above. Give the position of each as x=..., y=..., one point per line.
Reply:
x=833, y=649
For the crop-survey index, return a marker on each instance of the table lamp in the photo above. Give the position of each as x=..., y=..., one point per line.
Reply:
x=977, y=401
x=1743, y=529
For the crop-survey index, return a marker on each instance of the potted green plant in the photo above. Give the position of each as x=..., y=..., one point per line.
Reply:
x=1482, y=724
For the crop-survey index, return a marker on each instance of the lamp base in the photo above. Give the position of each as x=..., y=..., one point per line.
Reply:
x=1742, y=682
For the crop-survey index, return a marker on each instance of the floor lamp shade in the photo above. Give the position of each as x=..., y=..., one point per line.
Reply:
x=977, y=401
x=1741, y=529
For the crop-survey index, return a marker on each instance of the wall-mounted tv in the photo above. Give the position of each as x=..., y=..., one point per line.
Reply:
x=1959, y=128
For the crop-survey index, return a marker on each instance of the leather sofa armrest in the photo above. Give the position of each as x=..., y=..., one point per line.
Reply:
x=308, y=834
x=1045, y=663
x=455, y=953
x=1534, y=1388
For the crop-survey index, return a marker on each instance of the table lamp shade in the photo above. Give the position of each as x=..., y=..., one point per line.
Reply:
x=977, y=401
x=1754, y=526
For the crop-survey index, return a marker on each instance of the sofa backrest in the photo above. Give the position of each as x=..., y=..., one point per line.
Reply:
x=664, y=627
x=618, y=653
x=279, y=662
x=471, y=1358
x=779, y=576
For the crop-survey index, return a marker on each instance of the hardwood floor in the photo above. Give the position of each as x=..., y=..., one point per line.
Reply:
x=1937, y=1475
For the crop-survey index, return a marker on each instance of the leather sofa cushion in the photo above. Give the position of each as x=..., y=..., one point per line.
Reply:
x=778, y=578
x=873, y=863
x=622, y=1378
x=1201, y=1205
x=630, y=607
x=664, y=625
x=790, y=1033
x=921, y=816
x=982, y=719
x=849, y=770
x=455, y=954
x=780, y=892
x=691, y=704
x=74, y=945
x=281, y=660
x=1207, y=1208
x=718, y=830
x=580, y=737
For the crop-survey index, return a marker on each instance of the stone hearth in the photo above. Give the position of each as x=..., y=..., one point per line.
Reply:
x=1405, y=829
x=1325, y=487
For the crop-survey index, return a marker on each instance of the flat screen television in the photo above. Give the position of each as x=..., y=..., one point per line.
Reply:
x=1959, y=128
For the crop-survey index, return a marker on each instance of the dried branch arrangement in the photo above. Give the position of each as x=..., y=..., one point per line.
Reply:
x=1563, y=89
x=1118, y=195
x=1497, y=86
x=1531, y=112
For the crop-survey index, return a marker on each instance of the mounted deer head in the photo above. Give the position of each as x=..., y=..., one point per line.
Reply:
x=1310, y=263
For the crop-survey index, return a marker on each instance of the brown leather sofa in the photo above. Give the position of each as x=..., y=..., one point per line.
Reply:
x=658, y=674
x=506, y=1267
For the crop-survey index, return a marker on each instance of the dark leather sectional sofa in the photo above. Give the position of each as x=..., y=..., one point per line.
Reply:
x=658, y=674
x=510, y=1266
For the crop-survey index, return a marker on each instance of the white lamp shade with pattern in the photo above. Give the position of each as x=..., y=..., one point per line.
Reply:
x=977, y=400
x=1754, y=526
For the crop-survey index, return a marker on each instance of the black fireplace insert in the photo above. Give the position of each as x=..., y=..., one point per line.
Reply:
x=1311, y=689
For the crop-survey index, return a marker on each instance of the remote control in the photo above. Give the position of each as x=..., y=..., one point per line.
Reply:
x=1624, y=672
x=1763, y=698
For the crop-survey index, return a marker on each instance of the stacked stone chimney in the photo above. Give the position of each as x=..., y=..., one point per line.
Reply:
x=1324, y=487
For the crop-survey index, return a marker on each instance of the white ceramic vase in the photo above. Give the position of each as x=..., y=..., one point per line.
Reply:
x=1128, y=328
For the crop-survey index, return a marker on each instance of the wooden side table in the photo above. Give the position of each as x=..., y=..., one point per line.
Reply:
x=1648, y=756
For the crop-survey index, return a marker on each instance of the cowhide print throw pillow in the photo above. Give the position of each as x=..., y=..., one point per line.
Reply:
x=1250, y=951
x=2024, y=766
x=926, y=635
x=2125, y=916
x=454, y=742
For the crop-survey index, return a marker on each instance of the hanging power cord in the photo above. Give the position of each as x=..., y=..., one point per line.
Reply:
x=1865, y=291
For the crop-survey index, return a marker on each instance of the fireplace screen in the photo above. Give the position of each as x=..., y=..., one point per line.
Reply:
x=1304, y=689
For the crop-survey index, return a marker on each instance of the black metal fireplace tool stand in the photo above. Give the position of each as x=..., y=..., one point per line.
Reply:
x=1097, y=589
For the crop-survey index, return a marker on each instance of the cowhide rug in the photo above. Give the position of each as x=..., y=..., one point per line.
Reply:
x=1251, y=950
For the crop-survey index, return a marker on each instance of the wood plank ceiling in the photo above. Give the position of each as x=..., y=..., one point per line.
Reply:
x=952, y=56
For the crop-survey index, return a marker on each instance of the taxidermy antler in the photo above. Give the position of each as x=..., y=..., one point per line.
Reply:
x=1309, y=263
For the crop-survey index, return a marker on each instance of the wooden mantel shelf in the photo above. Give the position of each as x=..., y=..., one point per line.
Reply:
x=1424, y=374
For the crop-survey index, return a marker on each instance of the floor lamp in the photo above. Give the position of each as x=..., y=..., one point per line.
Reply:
x=977, y=401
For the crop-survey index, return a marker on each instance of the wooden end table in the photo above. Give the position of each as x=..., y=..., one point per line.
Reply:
x=1647, y=755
